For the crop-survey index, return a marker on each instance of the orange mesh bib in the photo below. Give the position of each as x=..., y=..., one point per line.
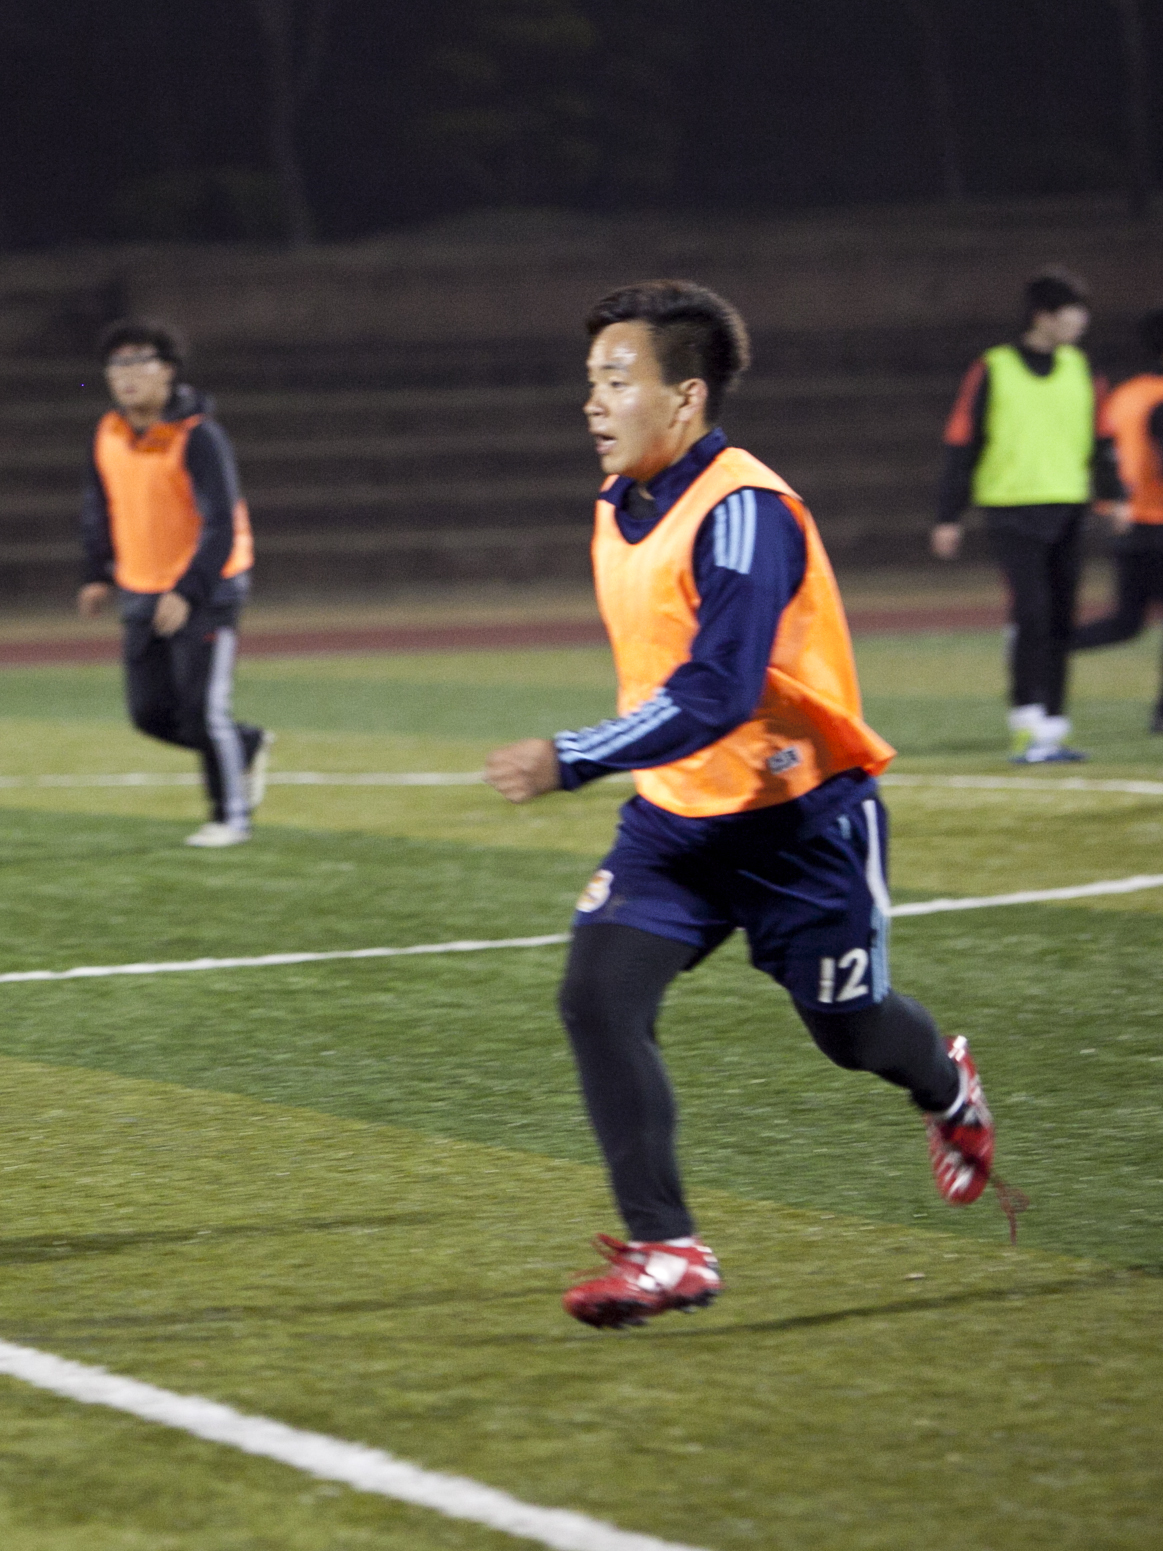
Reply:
x=807, y=726
x=1128, y=413
x=154, y=520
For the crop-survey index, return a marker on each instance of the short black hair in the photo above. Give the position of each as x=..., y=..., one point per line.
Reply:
x=1151, y=333
x=168, y=343
x=1053, y=289
x=695, y=332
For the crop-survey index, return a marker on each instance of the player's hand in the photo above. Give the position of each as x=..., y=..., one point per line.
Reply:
x=945, y=540
x=1117, y=513
x=170, y=613
x=91, y=599
x=522, y=771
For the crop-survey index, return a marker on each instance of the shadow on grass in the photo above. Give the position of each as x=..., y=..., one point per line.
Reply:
x=51, y=1247
x=980, y=1296
x=183, y=1324
x=189, y=1324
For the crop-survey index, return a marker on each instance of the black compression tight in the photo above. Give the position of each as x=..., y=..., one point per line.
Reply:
x=613, y=987
x=609, y=999
x=1043, y=580
x=896, y=1039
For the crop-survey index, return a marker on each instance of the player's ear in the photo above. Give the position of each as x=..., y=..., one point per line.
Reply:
x=692, y=399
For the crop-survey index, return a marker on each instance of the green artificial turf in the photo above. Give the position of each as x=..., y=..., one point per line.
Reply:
x=930, y=694
x=349, y=1194
x=315, y=1269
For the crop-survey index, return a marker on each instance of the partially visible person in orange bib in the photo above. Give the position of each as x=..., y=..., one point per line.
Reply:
x=1134, y=412
x=164, y=524
x=756, y=805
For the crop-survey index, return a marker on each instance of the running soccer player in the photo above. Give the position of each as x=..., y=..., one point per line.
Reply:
x=1135, y=414
x=162, y=519
x=756, y=803
x=1027, y=441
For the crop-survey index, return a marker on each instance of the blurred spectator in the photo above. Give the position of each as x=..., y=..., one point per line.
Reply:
x=1026, y=440
x=163, y=520
x=1135, y=413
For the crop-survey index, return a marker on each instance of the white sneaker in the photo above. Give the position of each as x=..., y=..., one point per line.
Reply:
x=1047, y=745
x=215, y=834
x=256, y=775
x=1025, y=723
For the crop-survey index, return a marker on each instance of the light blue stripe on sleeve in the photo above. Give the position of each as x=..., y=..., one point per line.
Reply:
x=627, y=730
x=735, y=532
x=720, y=535
x=734, y=506
x=747, y=544
x=598, y=743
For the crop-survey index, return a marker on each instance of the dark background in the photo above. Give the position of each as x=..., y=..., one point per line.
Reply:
x=380, y=224
x=221, y=120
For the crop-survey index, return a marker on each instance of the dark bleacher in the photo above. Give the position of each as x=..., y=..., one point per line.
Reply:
x=371, y=460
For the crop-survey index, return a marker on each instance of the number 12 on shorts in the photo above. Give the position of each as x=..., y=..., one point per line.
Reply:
x=852, y=967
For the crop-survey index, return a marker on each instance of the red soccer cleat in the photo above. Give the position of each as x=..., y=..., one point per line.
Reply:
x=644, y=1279
x=961, y=1144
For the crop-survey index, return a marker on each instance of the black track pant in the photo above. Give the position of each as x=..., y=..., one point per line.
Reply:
x=179, y=689
x=1140, y=583
x=613, y=987
x=1041, y=560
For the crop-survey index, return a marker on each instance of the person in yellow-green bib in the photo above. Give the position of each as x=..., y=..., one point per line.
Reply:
x=1027, y=442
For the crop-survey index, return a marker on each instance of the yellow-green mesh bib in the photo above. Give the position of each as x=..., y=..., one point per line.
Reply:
x=1039, y=431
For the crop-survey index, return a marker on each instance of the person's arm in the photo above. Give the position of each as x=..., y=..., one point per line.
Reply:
x=96, y=536
x=96, y=545
x=749, y=560
x=964, y=440
x=214, y=476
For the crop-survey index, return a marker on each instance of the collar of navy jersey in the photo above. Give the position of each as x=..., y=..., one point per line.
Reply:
x=665, y=488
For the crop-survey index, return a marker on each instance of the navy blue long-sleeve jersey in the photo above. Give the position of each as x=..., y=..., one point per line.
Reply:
x=749, y=561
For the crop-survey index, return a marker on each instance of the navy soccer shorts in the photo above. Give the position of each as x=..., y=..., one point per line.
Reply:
x=808, y=888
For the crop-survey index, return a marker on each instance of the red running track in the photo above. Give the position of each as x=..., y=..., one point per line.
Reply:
x=470, y=638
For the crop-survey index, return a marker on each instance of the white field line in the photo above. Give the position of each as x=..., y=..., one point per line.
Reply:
x=265, y=960
x=330, y=1459
x=475, y=778
x=1025, y=784
x=924, y=907
x=274, y=778
x=929, y=907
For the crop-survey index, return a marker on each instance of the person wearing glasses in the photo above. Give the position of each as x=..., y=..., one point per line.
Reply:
x=163, y=524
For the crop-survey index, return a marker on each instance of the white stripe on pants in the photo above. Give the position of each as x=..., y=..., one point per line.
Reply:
x=223, y=733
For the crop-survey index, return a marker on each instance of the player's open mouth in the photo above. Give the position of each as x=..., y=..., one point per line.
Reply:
x=602, y=443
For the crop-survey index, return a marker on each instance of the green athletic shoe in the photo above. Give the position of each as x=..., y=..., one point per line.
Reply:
x=1027, y=723
x=1021, y=741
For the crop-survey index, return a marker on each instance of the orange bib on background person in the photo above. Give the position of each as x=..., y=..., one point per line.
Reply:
x=154, y=522
x=1128, y=413
x=807, y=726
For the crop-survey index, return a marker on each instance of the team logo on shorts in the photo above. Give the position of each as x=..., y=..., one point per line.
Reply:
x=785, y=760
x=597, y=891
